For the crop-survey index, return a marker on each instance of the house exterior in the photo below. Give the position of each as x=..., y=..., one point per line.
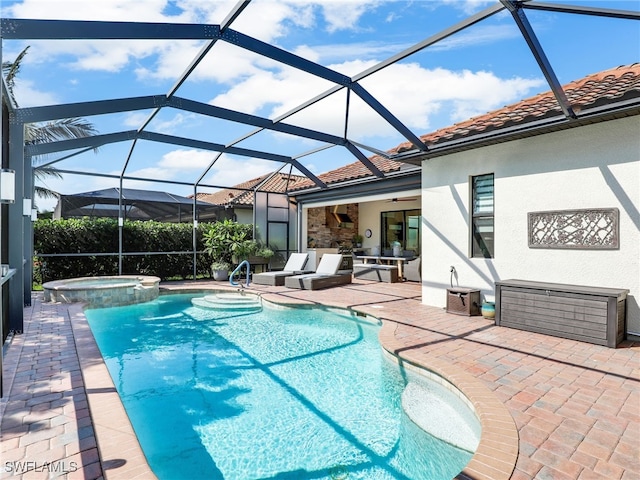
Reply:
x=517, y=193
x=561, y=205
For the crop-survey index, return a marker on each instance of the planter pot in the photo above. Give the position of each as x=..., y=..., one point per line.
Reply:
x=221, y=275
x=253, y=260
x=488, y=310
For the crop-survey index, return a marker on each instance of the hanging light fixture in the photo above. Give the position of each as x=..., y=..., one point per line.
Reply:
x=7, y=185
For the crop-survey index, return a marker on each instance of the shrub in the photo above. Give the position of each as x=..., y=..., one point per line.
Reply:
x=100, y=237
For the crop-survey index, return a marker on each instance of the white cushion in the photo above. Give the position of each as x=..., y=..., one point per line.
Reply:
x=296, y=262
x=329, y=264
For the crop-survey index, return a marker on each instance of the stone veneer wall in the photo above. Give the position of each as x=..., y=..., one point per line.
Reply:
x=323, y=227
x=132, y=290
x=106, y=297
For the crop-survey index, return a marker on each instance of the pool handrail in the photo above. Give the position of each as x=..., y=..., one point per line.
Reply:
x=238, y=268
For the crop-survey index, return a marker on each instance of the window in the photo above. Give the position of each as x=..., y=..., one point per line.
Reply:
x=401, y=226
x=482, y=216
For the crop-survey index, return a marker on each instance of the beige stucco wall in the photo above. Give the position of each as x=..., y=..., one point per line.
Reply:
x=596, y=166
x=244, y=215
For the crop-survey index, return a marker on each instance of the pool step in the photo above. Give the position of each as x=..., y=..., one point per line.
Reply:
x=228, y=301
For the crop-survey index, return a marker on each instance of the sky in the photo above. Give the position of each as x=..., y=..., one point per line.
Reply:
x=482, y=68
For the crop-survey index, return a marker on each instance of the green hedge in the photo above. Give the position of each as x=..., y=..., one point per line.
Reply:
x=101, y=236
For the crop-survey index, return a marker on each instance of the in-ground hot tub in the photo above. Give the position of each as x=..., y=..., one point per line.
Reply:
x=103, y=291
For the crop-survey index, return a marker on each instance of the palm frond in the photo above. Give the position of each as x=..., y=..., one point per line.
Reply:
x=46, y=193
x=45, y=173
x=63, y=129
x=10, y=71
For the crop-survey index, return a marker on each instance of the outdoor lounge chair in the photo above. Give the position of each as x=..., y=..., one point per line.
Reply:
x=326, y=275
x=294, y=266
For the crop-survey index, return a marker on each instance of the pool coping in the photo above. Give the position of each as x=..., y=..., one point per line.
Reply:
x=120, y=452
x=497, y=452
x=122, y=457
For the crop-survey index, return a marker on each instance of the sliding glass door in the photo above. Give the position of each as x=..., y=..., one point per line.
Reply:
x=402, y=226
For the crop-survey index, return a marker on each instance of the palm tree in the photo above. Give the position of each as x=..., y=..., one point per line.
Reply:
x=63, y=129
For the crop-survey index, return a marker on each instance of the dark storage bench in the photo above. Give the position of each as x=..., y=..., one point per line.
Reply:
x=589, y=314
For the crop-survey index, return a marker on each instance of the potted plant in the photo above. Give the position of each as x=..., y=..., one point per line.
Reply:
x=357, y=240
x=223, y=239
x=263, y=252
x=220, y=270
x=243, y=250
x=254, y=252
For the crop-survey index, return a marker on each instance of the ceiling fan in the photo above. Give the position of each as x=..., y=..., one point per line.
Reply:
x=396, y=200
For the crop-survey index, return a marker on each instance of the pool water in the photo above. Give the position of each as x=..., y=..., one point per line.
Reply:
x=281, y=393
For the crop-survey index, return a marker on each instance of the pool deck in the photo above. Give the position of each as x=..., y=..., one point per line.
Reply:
x=550, y=408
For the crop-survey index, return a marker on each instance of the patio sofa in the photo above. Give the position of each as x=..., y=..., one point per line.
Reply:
x=376, y=272
x=295, y=266
x=326, y=275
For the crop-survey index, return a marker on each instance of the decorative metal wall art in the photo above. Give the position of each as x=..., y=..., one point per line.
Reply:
x=594, y=228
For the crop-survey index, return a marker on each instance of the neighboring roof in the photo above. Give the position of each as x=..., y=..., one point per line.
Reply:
x=242, y=194
x=608, y=87
x=138, y=204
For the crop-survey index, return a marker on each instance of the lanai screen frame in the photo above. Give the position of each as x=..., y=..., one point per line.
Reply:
x=20, y=240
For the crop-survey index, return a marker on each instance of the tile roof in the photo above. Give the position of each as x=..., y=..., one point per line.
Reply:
x=609, y=86
x=594, y=90
x=243, y=193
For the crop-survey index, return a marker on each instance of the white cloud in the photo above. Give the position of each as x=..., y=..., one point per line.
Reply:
x=150, y=10
x=135, y=119
x=179, y=160
x=27, y=95
x=344, y=15
x=412, y=93
x=468, y=6
x=415, y=92
x=229, y=171
x=170, y=125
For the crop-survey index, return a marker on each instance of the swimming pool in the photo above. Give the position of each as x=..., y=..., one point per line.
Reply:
x=281, y=393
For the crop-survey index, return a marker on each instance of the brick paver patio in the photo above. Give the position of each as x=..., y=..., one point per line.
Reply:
x=550, y=408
